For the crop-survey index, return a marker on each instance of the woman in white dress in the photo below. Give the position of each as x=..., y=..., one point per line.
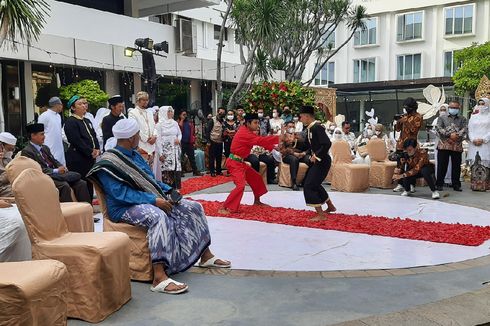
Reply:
x=276, y=122
x=479, y=136
x=168, y=147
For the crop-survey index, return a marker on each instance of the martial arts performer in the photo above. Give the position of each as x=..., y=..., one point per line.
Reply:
x=245, y=138
x=320, y=161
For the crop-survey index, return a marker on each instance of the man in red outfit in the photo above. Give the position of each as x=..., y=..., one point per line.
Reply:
x=242, y=144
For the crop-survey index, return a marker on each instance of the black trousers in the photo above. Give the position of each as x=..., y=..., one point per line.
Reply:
x=442, y=164
x=313, y=190
x=227, y=148
x=293, y=162
x=215, y=154
x=79, y=188
x=77, y=162
x=427, y=172
x=188, y=149
x=269, y=161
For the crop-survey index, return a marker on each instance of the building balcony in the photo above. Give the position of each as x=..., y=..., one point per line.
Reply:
x=145, y=8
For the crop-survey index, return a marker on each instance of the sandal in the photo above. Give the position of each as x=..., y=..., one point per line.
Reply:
x=211, y=263
x=163, y=284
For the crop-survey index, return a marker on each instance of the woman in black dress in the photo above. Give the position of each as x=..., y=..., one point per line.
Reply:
x=84, y=147
x=229, y=129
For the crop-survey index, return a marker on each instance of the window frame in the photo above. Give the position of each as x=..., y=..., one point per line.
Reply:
x=225, y=38
x=368, y=45
x=413, y=55
x=422, y=31
x=454, y=65
x=327, y=82
x=473, y=21
x=358, y=80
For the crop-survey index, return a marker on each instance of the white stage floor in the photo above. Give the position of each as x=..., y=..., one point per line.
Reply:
x=255, y=245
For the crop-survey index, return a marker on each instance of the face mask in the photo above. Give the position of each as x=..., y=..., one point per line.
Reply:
x=261, y=115
x=8, y=154
x=230, y=117
x=274, y=114
x=377, y=132
x=244, y=114
x=453, y=111
x=484, y=109
x=295, y=119
x=369, y=132
x=442, y=113
x=291, y=130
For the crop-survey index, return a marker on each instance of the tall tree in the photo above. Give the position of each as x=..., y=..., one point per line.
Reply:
x=219, y=82
x=22, y=18
x=257, y=25
x=307, y=33
x=471, y=64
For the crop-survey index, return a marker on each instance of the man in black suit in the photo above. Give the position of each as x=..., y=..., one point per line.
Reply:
x=63, y=180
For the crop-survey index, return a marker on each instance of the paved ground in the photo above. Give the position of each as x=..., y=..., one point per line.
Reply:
x=280, y=300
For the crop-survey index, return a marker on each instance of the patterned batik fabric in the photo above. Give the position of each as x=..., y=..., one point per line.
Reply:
x=177, y=239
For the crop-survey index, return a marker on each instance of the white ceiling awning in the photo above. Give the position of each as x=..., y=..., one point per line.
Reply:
x=146, y=8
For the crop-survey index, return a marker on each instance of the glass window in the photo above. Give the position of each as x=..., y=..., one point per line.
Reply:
x=409, y=66
x=368, y=34
x=459, y=20
x=326, y=76
x=217, y=30
x=328, y=40
x=365, y=70
x=450, y=64
x=409, y=26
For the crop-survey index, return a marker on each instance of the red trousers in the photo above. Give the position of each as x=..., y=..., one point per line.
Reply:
x=242, y=174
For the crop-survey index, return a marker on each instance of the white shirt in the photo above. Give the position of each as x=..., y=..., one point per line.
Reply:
x=350, y=138
x=276, y=125
x=147, y=127
x=53, y=131
x=479, y=128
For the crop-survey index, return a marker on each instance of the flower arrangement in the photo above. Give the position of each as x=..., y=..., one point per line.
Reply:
x=269, y=95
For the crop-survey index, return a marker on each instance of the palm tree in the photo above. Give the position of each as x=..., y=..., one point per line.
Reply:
x=23, y=19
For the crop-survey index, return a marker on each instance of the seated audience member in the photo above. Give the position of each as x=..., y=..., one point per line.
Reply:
x=64, y=180
x=7, y=146
x=178, y=234
x=260, y=154
x=362, y=156
x=415, y=164
x=347, y=135
x=293, y=152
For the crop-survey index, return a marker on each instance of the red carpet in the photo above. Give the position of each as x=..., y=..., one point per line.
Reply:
x=460, y=234
x=200, y=183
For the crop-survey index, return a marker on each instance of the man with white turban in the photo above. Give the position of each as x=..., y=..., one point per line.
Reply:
x=178, y=234
x=7, y=146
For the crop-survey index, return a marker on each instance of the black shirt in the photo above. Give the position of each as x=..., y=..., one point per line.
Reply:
x=107, y=123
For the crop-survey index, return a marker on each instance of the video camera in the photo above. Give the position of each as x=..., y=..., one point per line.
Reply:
x=398, y=116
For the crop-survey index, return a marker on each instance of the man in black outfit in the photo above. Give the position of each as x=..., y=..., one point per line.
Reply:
x=293, y=151
x=116, y=104
x=62, y=179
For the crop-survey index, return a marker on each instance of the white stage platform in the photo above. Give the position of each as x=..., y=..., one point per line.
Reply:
x=255, y=245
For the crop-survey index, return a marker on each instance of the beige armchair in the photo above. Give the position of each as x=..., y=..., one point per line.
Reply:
x=285, y=175
x=97, y=263
x=33, y=293
x=381, y=170
x=346, y=176
x=78, y=216
x=140, y=266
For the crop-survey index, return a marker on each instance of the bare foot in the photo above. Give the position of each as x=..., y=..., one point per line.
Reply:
x=330, y=207
x=224, y=211
x=257, y=202
x=318, y=218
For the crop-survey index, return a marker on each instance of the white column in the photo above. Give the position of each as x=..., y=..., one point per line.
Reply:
x=195, y=91
x=29, y=96
x=361, y=114
x=112, y=83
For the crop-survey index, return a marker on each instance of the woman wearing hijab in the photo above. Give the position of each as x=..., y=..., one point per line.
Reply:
x=84, y=145
x=479, y=147
x=168, y=146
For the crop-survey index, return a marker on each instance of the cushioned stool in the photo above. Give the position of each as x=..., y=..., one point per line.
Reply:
x=285, y=174
x=33, y=293
x=381, y=170
x=140, y=266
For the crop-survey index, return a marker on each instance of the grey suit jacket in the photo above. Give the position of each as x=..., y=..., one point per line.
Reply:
x=31, y=152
